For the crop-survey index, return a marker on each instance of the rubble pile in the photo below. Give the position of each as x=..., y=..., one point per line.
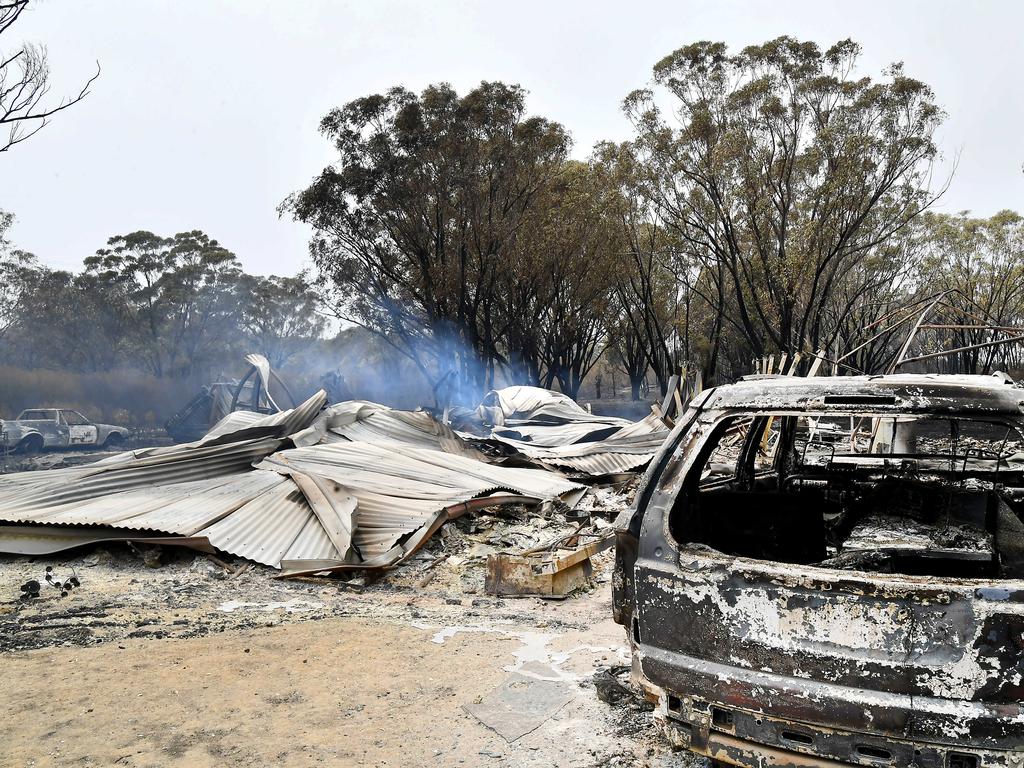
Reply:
x=354, y=486
x=553, y=430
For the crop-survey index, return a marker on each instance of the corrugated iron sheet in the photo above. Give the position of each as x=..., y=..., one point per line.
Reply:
x=542, y=427
x=533, y=405
x=585, y=447
x=399, y=492
x=362, y=422
x=335, y=504
x=351, y=486
x=600, y=464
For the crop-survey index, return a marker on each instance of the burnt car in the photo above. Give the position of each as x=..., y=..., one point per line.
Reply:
x=830, y=571
x=37, y=429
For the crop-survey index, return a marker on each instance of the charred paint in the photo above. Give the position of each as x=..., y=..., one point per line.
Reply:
x=907, y=669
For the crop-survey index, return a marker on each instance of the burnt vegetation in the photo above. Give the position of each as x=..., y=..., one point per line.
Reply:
x=774, y=202
x=772, y=205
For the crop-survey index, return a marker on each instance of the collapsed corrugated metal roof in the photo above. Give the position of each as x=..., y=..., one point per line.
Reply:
x=540, y=427
x=533, y=405
x=288, y=490
x=355, y=485
x=364, y=422
x=554, y=430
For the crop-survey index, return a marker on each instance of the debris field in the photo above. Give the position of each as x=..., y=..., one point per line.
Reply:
x=178, y=552
x=853, y=545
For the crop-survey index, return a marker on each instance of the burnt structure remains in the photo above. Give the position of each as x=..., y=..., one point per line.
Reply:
x=828, y=571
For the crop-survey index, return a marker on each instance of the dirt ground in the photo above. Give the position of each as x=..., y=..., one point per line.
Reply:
x=195, y=664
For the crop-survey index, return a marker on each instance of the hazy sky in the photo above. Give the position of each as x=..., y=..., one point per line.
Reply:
x=206, y=113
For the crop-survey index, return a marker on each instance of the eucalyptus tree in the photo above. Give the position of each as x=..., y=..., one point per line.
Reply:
x=651, y=276
x=280, y=315
x=570, y=243
x=180, y=294
x=784, y=170
x=978, y=266
x=416, y=221
x=19, y=272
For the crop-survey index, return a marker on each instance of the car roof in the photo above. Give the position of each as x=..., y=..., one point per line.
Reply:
x=54, y=410
x=901, y=393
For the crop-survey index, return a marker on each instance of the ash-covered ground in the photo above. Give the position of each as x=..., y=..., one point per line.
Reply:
x=170, y=657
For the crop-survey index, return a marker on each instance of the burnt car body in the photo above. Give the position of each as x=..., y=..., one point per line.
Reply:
x=37, y=429
x=830, y=571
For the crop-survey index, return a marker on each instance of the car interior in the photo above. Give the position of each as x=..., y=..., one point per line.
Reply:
x=901, y=493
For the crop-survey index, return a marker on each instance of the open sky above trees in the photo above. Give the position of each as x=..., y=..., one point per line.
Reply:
x=206, y=114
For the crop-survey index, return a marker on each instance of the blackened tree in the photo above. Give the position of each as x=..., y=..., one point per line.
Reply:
x=419, y=216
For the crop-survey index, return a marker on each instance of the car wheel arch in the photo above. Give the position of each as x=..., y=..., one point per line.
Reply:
x=31, y=443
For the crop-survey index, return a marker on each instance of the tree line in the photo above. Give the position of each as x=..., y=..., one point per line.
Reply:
x=771, y=202
x=169, y=307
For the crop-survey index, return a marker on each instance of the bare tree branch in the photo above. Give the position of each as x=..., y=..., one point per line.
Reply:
x=25, y=84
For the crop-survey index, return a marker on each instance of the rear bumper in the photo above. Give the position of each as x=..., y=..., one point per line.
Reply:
x=733, y=751
x=748, y=718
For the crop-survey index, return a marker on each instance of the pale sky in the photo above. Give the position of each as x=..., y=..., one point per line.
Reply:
x=206, y=114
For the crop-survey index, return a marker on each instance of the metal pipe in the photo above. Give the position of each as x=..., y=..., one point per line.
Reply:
x=945, y=352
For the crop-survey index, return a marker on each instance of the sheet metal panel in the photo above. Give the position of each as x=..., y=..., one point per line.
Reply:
x=261, y=514
x=20, y=502
x=600, y=464
x=396, y=491
x=547, y=428
x=49, y=539
x=265, y=528
x=533, y=405
x=290, y=421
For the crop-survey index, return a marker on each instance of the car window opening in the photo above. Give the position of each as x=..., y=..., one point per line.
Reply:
x=893, y=493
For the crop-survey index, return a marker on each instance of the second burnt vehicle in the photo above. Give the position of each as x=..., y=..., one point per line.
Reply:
x=37, y=429
x=830, y=571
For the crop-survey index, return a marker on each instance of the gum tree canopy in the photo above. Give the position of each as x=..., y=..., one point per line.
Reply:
x=416, y=222
x=781, y=170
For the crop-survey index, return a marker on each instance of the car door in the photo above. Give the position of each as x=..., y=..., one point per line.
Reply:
x=80, y=430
